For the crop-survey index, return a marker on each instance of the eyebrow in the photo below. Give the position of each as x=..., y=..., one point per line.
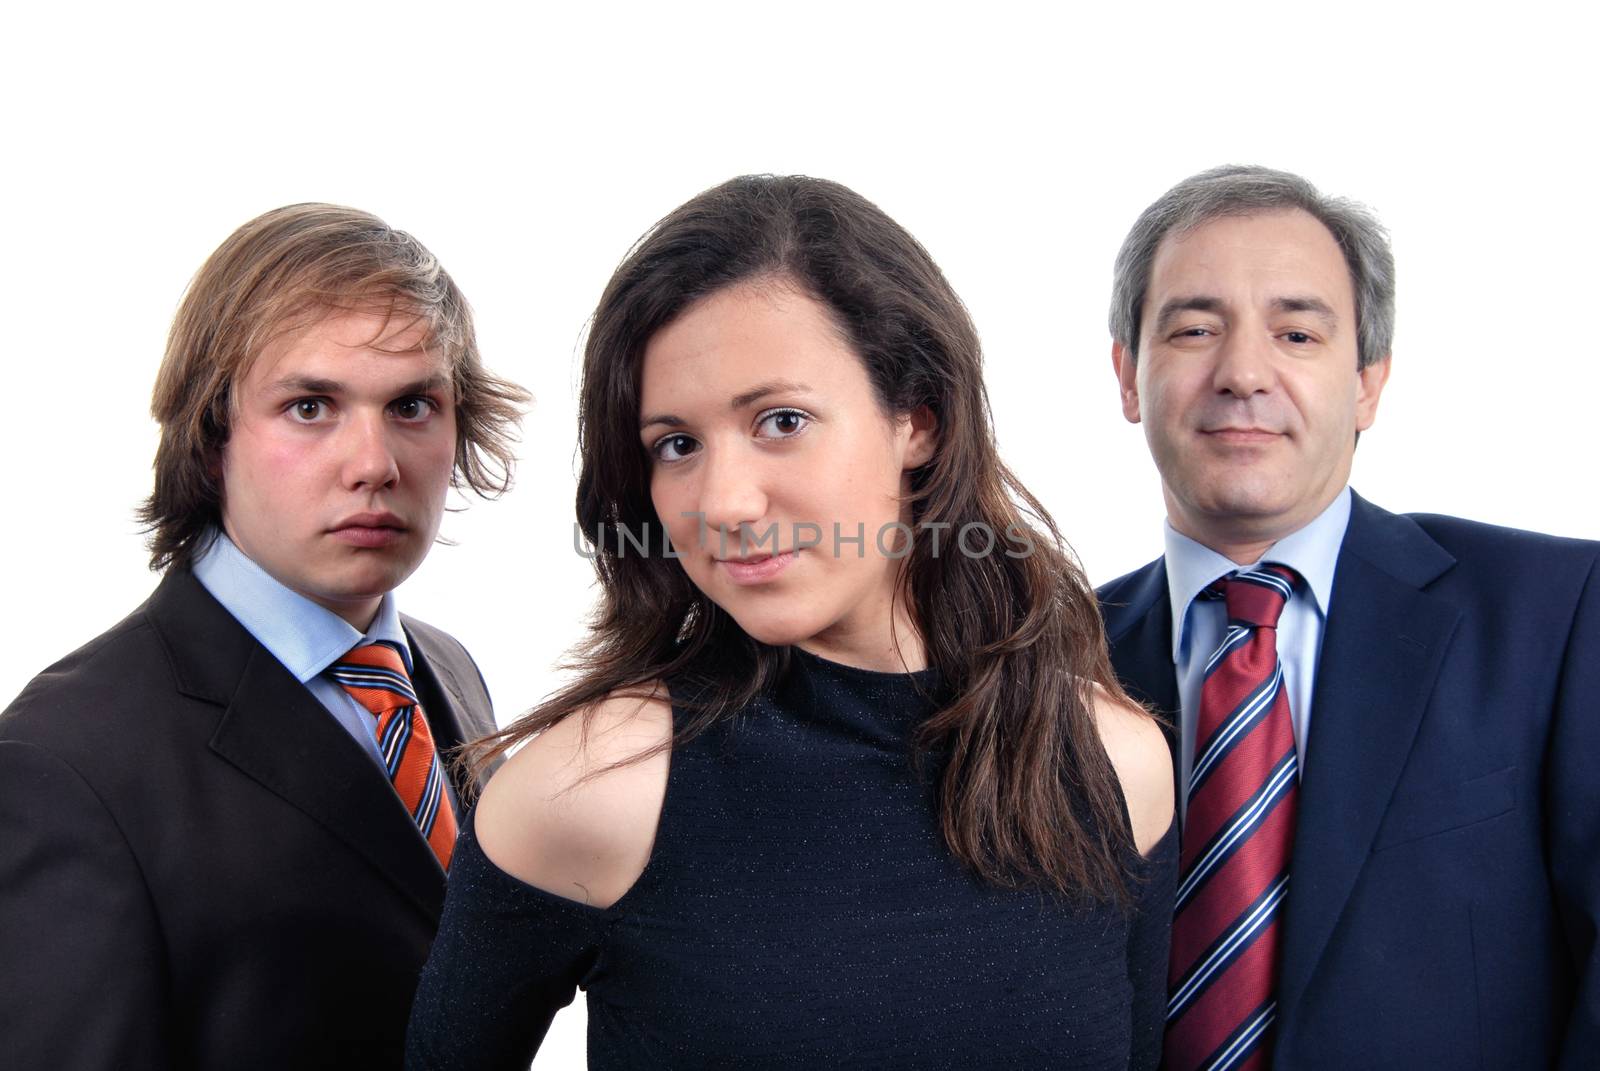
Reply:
x=1314, y=305
x=737, y=402
x=1171, y=309
x=313, y=385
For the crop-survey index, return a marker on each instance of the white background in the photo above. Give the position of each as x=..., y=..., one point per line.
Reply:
x=530, y=151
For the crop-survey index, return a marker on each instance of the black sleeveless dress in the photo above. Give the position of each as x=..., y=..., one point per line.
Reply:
x=800, y=910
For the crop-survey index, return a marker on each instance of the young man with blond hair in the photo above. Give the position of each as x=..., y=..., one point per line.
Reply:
x=225, y=823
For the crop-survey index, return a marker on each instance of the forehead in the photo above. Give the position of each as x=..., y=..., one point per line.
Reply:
x=743, y=334
x=1256, y=259
x=328, y=344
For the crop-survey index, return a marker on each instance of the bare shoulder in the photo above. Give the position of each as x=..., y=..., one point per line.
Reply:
x=1139, y=753
x=572, y=812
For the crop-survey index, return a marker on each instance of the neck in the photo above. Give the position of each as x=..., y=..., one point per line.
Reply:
x=358, y=615
x=908, y=657
x=1241, y=552
x=892, y=646
x=1241, y=539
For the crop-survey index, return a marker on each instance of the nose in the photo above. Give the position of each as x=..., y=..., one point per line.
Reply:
x=369, y=460
x=732, y=495
x=1244, y=364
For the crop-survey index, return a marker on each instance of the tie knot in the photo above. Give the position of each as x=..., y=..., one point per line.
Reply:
x=1256, y=597
x=375, y=675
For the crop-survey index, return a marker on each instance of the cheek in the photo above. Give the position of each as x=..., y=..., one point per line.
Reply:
x=268, y=492
x=259, y=468
x=863, y=479
x=671, y=503
x=662, y=500
x=1325, y=408
x=439, y=462
x=429, y=452
x=1165, y=398
x=1161, y=418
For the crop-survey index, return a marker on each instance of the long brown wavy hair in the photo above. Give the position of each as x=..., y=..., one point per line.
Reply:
x=1027, y=795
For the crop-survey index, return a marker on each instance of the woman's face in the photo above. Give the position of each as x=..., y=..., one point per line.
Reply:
x=777, y=473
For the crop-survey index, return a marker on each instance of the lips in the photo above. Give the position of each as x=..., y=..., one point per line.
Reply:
x=381, y=519
x=377, y=529
x=757, y=568
x=1242, y=435
x=751, y=558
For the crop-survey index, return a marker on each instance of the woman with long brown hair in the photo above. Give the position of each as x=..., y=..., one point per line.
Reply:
x=844, y=776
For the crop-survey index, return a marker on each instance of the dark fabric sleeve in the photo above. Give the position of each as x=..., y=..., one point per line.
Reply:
x=1149, y=938
x=82, y=968
x=508, y=956
x=1573, y=806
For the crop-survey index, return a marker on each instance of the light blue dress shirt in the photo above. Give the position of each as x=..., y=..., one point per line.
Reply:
x=1198, y=624
x=305, y=637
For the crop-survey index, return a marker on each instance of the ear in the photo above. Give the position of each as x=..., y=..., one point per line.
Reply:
x=923, y=439
x=1127, y=369
x=1370, y=381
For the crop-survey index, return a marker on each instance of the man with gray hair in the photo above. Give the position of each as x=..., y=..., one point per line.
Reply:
x=1384, y=725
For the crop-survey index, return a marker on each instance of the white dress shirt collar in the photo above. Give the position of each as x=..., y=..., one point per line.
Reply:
x=305, y=637
x=1312, y=551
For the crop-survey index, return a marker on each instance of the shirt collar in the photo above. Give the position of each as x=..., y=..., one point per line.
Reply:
x=305, y=637
x=1312, y=551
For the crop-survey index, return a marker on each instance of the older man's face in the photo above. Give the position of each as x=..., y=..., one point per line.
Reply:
x=1246, y=379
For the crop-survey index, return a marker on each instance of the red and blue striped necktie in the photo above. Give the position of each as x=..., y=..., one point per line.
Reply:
x=375, y=676
x=1237, y=837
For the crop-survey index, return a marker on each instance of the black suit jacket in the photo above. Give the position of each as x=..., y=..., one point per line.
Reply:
x=199, y=868
x=1445, y=886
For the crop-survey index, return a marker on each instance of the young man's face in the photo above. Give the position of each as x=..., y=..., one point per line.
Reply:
x=335, y=474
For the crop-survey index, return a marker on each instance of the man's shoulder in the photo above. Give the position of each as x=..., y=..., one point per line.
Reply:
x=1134, y=592
x=91, y=683
x=1469, y=539
x=1482, y=553
x=1139, y=580
x=448, y=657
x=1510, y=578
x=178, y=643
x=438, y=642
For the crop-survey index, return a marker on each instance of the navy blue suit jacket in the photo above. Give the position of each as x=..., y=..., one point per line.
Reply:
x=1446, y=875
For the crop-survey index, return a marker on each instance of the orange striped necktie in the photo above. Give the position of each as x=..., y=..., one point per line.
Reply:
x=375, y=676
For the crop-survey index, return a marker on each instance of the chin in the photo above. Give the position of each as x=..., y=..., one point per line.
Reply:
x=1245, y=506
x=363, y=587
x=774, y=630
x=1240, y=493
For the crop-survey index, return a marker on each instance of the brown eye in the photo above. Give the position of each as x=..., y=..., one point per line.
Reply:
x=413, y=408
x=674, y=448
x=782, y=423
x=307, y=410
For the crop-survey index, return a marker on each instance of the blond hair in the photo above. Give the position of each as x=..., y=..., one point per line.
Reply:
x=272, y=275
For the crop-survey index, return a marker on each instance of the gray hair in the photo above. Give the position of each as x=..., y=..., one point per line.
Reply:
x=1235, y=190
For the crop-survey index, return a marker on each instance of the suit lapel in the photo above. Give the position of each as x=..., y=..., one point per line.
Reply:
x=276, y=732
x=448, y=674
x=1381, y=651
x=453, y=717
